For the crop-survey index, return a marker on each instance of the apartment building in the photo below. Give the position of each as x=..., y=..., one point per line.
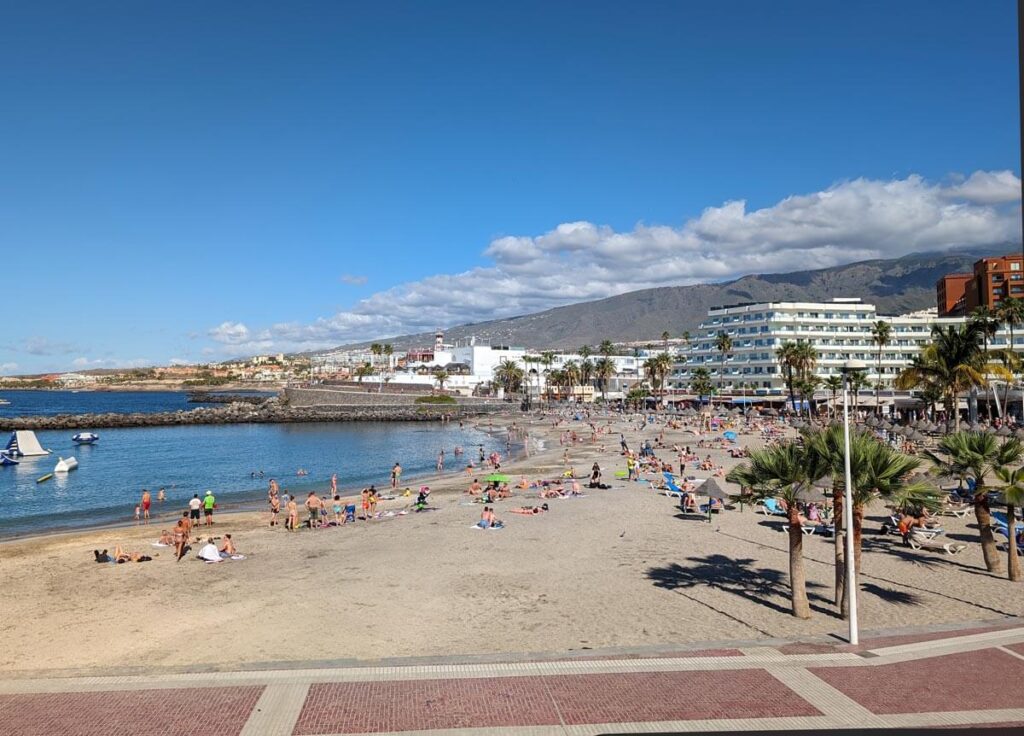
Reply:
x=839, y=330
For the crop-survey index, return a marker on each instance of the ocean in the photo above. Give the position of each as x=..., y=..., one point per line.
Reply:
x=191, y=459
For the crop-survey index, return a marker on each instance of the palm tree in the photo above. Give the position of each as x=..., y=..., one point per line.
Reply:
x=785, y=354
x=700, y=382
x=363, y=371
x=440, y=375
x=858, y=380
x=807, y=386
x=988, y=322
x=572, y=374
x=586, y=371
x=547, y=359
x=586, y=351
x=1013, y=493
x=665, y=338
x=606, y=348
x=604, y=369
x=376, y=349
x=953, y=363
x=386, y=350
x=977, y=454
x=834, y=384
x=881, y=333
x=509, y=376
x=686, y=338
x=653, y=371
x=723, y=344
x=876, y=469
x=779, y=472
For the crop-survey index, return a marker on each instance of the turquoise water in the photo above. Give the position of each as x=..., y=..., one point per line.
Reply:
x=185, y=460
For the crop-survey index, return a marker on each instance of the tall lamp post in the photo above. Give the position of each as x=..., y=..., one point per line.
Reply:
x=849, y=367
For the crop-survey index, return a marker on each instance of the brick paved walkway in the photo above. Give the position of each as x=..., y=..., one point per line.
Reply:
x=970, y=676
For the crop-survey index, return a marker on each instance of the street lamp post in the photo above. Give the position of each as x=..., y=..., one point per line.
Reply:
x=851, y=584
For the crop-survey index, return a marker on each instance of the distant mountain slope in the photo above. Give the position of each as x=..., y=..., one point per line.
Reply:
x=895, y=286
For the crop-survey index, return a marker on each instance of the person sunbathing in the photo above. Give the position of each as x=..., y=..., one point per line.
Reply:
x=121, y=556
x=229, y=546
x=475, y=488
x=504, y=491
x=165, y=538
x=529, y=510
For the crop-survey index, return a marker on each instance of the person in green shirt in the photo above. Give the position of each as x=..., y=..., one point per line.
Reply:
x=209, y=501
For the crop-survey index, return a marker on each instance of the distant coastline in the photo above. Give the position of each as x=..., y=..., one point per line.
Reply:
x=263, y=387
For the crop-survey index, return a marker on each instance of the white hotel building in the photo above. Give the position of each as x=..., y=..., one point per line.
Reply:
x=839, y=330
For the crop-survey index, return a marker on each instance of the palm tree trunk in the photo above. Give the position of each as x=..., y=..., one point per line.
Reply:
x=858, y=533
x=797, y=578
x=988, y=541
x=1012, y=559
x=878, y=383
x=839, y=594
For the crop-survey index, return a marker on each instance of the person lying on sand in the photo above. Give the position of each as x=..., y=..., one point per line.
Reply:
x=209, y=552
x=121, y=556
x=530, y=510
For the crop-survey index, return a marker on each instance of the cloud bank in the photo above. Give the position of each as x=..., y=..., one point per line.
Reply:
x=576, y=261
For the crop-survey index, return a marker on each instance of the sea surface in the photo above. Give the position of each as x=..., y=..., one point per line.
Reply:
x=49, y=403
x=184, y=460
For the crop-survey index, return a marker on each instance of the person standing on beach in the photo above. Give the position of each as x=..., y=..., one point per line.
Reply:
x=292, y=521
x=208, y=504
x=334, y=484
x=440, y=460
x=146, y=502
x=161, y=496
x=396, y=476
x=194, y=505
x=365, y=499
x=313, y=506
x=275, y=509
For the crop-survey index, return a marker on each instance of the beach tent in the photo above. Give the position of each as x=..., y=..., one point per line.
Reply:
x=24, y=442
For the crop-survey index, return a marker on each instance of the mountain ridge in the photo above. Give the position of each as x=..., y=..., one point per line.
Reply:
x=895, y=286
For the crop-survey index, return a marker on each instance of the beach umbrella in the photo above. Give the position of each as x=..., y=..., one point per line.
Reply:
x=825, y=482
x=917, y=436
x=975, y=427
x=872, y=421
x=497, y=478
x=771, y=412
x=621, y=473
x=711, y=489
x=1003, y=431
x=806, y=492
x=730, y=435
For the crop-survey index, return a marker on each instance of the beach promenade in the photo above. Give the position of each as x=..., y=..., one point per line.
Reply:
x=968, y=676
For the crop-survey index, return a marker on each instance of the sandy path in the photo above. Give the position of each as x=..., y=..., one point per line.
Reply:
x=620, y=567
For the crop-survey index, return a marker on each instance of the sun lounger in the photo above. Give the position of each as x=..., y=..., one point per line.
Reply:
x=924, y=541
x=1001, y=522
x=771, y=507
x=960, y=511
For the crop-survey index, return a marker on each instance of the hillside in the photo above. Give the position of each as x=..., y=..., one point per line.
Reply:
x=895, y=286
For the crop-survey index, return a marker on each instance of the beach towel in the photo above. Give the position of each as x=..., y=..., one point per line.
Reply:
x=157, y=544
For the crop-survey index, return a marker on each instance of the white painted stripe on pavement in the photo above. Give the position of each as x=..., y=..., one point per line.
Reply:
x=276, y=711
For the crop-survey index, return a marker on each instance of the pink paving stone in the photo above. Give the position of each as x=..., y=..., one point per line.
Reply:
x=674, y=696
x=979, y=680
x=373, y=707
x=1019, y=648
x=807, y=648
x=186, y=712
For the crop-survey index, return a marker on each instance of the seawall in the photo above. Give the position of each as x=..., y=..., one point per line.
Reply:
x=268, y=413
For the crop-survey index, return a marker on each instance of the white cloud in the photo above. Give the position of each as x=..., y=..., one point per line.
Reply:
x=83, y=362
x=179, y=361
x=988, y=187
x=42, y=346
x=353, y=280
x=8, y=367
x=850, y=221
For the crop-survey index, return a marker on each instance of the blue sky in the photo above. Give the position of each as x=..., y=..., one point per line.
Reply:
x=192, y=181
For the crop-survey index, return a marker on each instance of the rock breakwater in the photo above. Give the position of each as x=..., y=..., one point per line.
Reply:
x=270, y=412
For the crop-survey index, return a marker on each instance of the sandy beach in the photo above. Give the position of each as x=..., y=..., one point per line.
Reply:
x=617, y=568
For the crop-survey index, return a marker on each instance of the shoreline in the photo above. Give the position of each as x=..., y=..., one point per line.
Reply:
x=257, y=505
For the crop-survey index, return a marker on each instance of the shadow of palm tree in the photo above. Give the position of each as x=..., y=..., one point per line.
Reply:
x=892, y=596
x=738, y=576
